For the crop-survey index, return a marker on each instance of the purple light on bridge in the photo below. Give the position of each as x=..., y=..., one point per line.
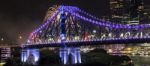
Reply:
x=94, y=20
x=44, y=25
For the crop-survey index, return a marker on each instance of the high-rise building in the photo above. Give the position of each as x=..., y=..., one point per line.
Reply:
x=5, y=54
x=116, y=8
x=126, y=11
x=146, y=15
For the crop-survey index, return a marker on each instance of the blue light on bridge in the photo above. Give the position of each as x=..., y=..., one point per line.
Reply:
x=30, y=56
x=73, y=53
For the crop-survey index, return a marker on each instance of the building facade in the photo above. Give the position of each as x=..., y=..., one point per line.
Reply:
x=146, y=15
x=126, y=11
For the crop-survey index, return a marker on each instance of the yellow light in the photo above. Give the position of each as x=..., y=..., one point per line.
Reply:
x=110, y=51
x=128, y=51
x=128, y=48
x=1, y=64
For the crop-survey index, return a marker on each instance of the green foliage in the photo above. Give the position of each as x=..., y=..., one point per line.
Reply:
x=121, y=61
x=13, y=62
x=100, y=56
x=48, y=57
x=99, y=51
x=96, y=56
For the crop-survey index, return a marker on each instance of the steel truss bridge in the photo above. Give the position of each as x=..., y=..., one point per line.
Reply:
x=69, y=27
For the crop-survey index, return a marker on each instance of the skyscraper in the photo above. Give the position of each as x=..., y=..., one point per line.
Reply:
x=126, y=11
x=146, y=17
x=116, y=8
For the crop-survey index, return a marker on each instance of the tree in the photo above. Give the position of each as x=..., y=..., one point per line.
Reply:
x=48, y=57
x=13, y=62
x=99, y=51
x=96, y=56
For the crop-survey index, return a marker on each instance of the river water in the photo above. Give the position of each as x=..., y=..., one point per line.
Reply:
x=141, y=60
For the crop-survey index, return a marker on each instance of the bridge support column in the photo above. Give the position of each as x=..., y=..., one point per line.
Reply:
x=64, y=55
x=70, y=55
x=30, y=56
x=76, y=57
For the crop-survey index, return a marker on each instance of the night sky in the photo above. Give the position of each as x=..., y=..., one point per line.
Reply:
x=20, y=17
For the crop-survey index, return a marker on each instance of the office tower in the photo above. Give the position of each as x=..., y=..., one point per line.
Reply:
x=126, y=11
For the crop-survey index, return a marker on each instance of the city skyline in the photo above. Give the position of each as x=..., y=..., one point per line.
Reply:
x=75, y=32
x=22, y=17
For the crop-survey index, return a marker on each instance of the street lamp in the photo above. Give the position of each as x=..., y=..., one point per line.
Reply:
x=94, y=31
x=20, y=37
x=2, y=39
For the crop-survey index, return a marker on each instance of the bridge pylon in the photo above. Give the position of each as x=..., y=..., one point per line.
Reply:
x=30, y=56
x=70, y=55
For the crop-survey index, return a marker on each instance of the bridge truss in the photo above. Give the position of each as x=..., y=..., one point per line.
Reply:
x=83, y=27
x=67, y=26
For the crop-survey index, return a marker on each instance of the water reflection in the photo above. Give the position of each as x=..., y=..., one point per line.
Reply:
x=141, y=60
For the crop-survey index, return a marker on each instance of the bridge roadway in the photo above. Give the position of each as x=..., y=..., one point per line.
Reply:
x=92, y=42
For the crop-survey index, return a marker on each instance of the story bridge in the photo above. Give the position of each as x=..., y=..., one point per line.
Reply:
x=69, y=27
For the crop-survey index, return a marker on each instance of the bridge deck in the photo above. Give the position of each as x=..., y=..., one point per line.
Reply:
x=85, y=43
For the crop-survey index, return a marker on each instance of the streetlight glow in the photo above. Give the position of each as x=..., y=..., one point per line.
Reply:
x=2, y=39
x=20, y=37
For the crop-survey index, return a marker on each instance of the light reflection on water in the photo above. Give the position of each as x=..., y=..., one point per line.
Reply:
x=141, y=60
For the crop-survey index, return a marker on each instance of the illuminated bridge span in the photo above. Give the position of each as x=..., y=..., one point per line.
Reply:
x=83, y=27
x=68, y=26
